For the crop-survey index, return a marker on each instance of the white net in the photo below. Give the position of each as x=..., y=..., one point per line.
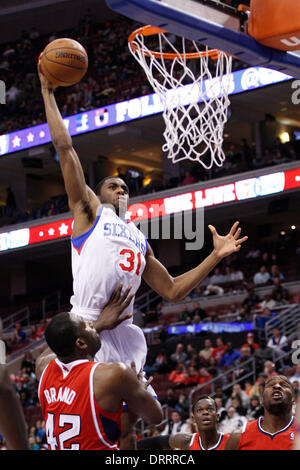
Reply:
x=194, y=94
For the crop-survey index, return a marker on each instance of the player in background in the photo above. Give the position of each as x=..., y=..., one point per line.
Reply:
x=12, y=421
x=276, y=430
x=106, y=250
x=82, y=400
x=208, y=437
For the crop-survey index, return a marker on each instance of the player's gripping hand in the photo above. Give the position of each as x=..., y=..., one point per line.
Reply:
x=111, y=315
x=45, y=84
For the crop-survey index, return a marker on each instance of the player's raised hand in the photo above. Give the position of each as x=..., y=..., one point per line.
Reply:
x=230, y=243
x=111, y=315
x=45, y=84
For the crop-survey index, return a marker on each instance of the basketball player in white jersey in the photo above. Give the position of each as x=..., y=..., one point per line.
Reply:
x=107, y=251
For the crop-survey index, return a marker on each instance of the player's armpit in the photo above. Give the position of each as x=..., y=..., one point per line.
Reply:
x=233, y=441
x=180, y=441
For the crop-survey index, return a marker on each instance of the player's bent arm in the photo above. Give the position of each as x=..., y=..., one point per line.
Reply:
x=12, y=421
x=233, y=441
x=139, y=400
x=114, y=383
x=174, y=289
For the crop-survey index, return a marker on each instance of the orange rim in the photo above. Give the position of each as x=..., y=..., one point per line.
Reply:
x=151, y=31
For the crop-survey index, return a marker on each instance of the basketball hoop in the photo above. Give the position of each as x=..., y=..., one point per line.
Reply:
x=193, y=88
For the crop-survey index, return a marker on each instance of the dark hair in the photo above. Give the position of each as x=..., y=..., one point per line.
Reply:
x=98, y=187
x=203, y=397
x=61, y=334
x=101, y=183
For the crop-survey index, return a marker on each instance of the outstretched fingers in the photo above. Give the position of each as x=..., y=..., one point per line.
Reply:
x=233, y=228
x=241, y=240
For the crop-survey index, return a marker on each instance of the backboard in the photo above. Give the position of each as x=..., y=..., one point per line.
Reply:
x=212, y=23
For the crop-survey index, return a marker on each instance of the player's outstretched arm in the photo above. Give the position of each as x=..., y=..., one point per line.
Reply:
x=72, y=171
x=233, y=441
x=12, y=421
x=174, y=289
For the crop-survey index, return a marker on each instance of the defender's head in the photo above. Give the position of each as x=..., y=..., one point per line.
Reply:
x=113, y=190
x=205, y=413
x=70, y=337
x=278, y=395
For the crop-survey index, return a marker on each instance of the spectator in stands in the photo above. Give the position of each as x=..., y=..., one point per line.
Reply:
x=174, y=425
x=219, y=350
x=234, y=310
x=252, y=298
x=229, y=357
x=277, y=289
x=267, y=302
x=206, y=352
x=296, y=375
x=250, y=342
x=264, y=317
x=262, y=276
x=170, y=399
x=221, y=410
x=274, y=272
x=217, y=277
x=179, y=356
x=237, y=403
x=278, y=342
x=18, y=336
x=28, y=363
x=233, y=422
x=191, y=377
x=254, y=410
x=204, y=376
x=182, y=405
x=188, y=179
x=236, y=275
x=269, y=369
x=184, y=314
x=197, y=310
x=33, y=445
x=237, y=390
x=177, y=376
x=191, y=353
x=38, y=333
x=161, y=363
x=243, y=366
x=262, y=354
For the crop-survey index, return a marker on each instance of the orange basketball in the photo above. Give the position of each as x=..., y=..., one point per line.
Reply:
x=64, y=62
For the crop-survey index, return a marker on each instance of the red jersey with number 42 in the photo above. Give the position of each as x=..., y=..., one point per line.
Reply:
x=256, y=438
x=73, y=418
x=196, y=443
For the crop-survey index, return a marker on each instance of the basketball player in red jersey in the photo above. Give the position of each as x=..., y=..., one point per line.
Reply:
x=276, y=430
x=82, y=400
x=12, y=421
x=106, y=250
x=207, y=438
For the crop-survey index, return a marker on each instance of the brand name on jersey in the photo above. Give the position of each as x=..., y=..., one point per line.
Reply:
x=63, y=394
x=119, y=230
